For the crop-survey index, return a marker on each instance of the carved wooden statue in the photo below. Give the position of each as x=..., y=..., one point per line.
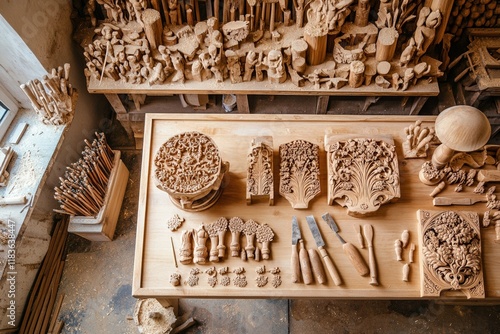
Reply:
x=200, y=241
x=260, y=181
x=417, y=141
x=275, y=67
x=186, y=249
x=450, y=253
x=299, y=172
x=363, y=173
x=250, y=61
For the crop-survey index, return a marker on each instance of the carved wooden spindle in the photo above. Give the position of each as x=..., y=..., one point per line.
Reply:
x=265, y=235
x=214, y=241
x=221, y=225
x=236, y=226
x=250, y=229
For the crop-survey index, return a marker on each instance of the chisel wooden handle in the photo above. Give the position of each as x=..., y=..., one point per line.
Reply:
x=13, y=200
x=305, y=264
x=368, y=230
x=356, y=259
x=295, y=265
x=330, y=266
x=317, y=266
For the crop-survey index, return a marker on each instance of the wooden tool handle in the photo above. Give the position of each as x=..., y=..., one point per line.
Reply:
x=488, y=176
x=295, y=265
x=305, y=265
x=13, y=200
x=356, y=259
x=373, y=266
x=330, y=266
x=317, y=266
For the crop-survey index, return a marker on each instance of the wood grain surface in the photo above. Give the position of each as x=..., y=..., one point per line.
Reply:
x=154, y=261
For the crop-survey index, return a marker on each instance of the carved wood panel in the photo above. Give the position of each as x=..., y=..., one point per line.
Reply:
x=451, y=257
x=363, y=173
x=260, y=181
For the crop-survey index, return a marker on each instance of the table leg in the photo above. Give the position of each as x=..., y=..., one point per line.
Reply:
x=242, y=103
x=369, y=101
x=167, y=302
x=322, y=104
x=121, y=113
x=417, y=104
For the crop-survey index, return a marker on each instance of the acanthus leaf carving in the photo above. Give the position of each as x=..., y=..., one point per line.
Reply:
x=260, y=181
x=299, y=172
x=363, y=173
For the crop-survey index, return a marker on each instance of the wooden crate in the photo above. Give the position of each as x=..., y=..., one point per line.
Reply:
x=102, y=227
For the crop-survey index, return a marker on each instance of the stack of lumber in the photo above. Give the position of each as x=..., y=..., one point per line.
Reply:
x=473, y=13
x=37, y=315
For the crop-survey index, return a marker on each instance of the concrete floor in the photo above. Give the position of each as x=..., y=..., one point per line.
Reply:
x=98, y=275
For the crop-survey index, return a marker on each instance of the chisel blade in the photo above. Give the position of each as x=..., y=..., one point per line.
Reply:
x=315, y=231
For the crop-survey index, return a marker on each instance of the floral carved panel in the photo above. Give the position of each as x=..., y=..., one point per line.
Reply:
x=363, y=173
x=260, y=181
x=299, y=172
x=451, y=257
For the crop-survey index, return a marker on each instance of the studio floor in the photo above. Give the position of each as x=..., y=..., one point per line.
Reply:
x=97, y=282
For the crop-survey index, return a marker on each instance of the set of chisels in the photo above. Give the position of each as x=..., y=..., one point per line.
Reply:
x=307, y=264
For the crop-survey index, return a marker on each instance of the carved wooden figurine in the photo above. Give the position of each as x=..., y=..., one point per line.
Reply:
x=260, y=181
x=275, y=67
x=405, y=237
x=363, y=173
x=459, y=128
x=200, y=241
x=214, y=241
x=450, y=253
x=406, y=272
x=221, y=227
x=250, y=62
x=398, y=248
x=417, y=140
x=186, y=250
x=236, y=226
x=250, y=229
x=265, y=235
x=299, y=172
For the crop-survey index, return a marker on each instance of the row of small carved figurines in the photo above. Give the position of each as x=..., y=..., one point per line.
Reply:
x=216, y=231
x=240, y=280
x=119, y=56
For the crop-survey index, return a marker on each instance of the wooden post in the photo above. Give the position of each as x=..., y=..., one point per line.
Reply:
x=386, y=44
x=356, y=74
x=164, y=4
x=362, y=12
x=216, y=9
x=317, y=48
x=153, y=27
x=271, y=20
x=444, y=7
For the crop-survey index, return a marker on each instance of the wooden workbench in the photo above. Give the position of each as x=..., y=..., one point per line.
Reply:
x=154, y=259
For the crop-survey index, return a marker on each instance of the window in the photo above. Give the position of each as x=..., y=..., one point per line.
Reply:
x=8, y=109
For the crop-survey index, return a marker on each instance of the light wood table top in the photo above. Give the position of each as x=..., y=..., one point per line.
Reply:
x=154, y=260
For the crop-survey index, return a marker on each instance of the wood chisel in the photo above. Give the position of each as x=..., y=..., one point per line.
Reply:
x=321, y=247
x=300, y=258
x=352, y=252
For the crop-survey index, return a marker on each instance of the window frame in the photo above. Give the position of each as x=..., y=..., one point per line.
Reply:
x=13, y=108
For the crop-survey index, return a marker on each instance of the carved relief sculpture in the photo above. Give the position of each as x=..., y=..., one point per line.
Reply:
x=363, y=173
x=299, y=172
x=260, y=182
x=450, y=253
x=190, y=170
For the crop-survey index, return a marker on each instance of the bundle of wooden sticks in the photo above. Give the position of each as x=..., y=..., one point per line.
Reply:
x=83, y=187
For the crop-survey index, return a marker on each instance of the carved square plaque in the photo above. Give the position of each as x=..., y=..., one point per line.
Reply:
x=363, y=173
x=450, y=253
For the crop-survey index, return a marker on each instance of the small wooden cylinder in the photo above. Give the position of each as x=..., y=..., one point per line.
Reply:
x=316, y=53
x=386, y=44
x=356, y=74
x=362, y=12
x=153, y=27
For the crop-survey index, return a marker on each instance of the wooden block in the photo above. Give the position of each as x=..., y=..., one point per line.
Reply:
x=18, y=133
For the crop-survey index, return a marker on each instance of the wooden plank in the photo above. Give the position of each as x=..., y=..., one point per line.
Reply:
x=232, y=134
x=116, y=103
x=417, y=105
x=423, y=88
